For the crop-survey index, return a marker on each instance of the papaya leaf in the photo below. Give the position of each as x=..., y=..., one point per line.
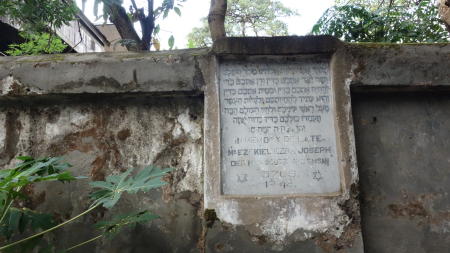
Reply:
x=13, y=181
x=110, y=190
x=32, y=171
x=21, y=220
x=117, y=223
x=18, y=220
x=14, y=220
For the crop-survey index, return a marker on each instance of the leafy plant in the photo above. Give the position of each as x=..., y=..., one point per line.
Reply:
x=30, y=171
x=19, y=221
x=107, y=194
x=15, y=221
x=389, y=23
x=123, y=19
x=39, y=43
x=37, y=19
x=246, y=18
x=38, y=15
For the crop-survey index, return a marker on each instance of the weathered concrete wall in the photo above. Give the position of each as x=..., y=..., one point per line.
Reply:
x=404, y=164
x=108, y=112
x=102, y=136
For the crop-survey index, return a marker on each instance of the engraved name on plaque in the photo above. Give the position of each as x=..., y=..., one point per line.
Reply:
x=278, y=132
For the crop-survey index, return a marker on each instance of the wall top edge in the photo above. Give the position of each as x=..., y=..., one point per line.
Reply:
x=185, y=71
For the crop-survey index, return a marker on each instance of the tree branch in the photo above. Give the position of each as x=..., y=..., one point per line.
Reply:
x=216, y=19
x=150, y=5
x=124, y=26
x=444, y=13
x=134, y=5
x=148, y=25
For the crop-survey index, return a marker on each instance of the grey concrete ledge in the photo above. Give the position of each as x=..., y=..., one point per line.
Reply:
x=155, y=72
x=395, y=66
x=283, y=45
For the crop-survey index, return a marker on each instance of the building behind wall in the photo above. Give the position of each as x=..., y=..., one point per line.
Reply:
x=81, y=35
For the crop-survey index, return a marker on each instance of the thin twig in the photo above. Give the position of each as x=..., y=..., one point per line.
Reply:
x=381, y=4
x=6, y=211
x=391, y=2
x=9, y=204
x=83, y=243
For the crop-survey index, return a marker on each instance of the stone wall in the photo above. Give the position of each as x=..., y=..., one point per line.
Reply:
x=107, y=112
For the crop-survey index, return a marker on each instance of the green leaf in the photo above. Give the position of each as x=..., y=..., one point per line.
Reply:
x=166, y=13
x=40, y=43
x=126, y=42
x=110, y=190
x=21, y=218
x=177, y=10
x=24, y=158
x=14, y=220
x=20, y=221
x=39, y=15
x=102, y=184
x=157, y=29
x=28, y=172
x=111, y=228
x=362, y=21
x=171, y=41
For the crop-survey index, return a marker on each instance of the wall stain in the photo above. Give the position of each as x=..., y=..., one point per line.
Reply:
x=330, y=243
x=97, y=138
x=419, y=208
x=33, y=201
x=410, y=209
x=12, y=134
x=123, y=134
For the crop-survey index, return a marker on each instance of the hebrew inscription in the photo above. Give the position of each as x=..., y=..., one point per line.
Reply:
x=277, y=128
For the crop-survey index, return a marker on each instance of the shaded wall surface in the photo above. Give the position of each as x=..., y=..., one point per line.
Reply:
x=105, y=113
x=403, y=151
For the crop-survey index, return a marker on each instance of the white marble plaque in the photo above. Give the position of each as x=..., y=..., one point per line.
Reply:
x=278, y=132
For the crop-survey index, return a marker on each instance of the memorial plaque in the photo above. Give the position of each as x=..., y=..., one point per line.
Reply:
x=277, y=123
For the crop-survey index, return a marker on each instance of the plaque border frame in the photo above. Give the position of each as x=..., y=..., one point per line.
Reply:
x=345, y=147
